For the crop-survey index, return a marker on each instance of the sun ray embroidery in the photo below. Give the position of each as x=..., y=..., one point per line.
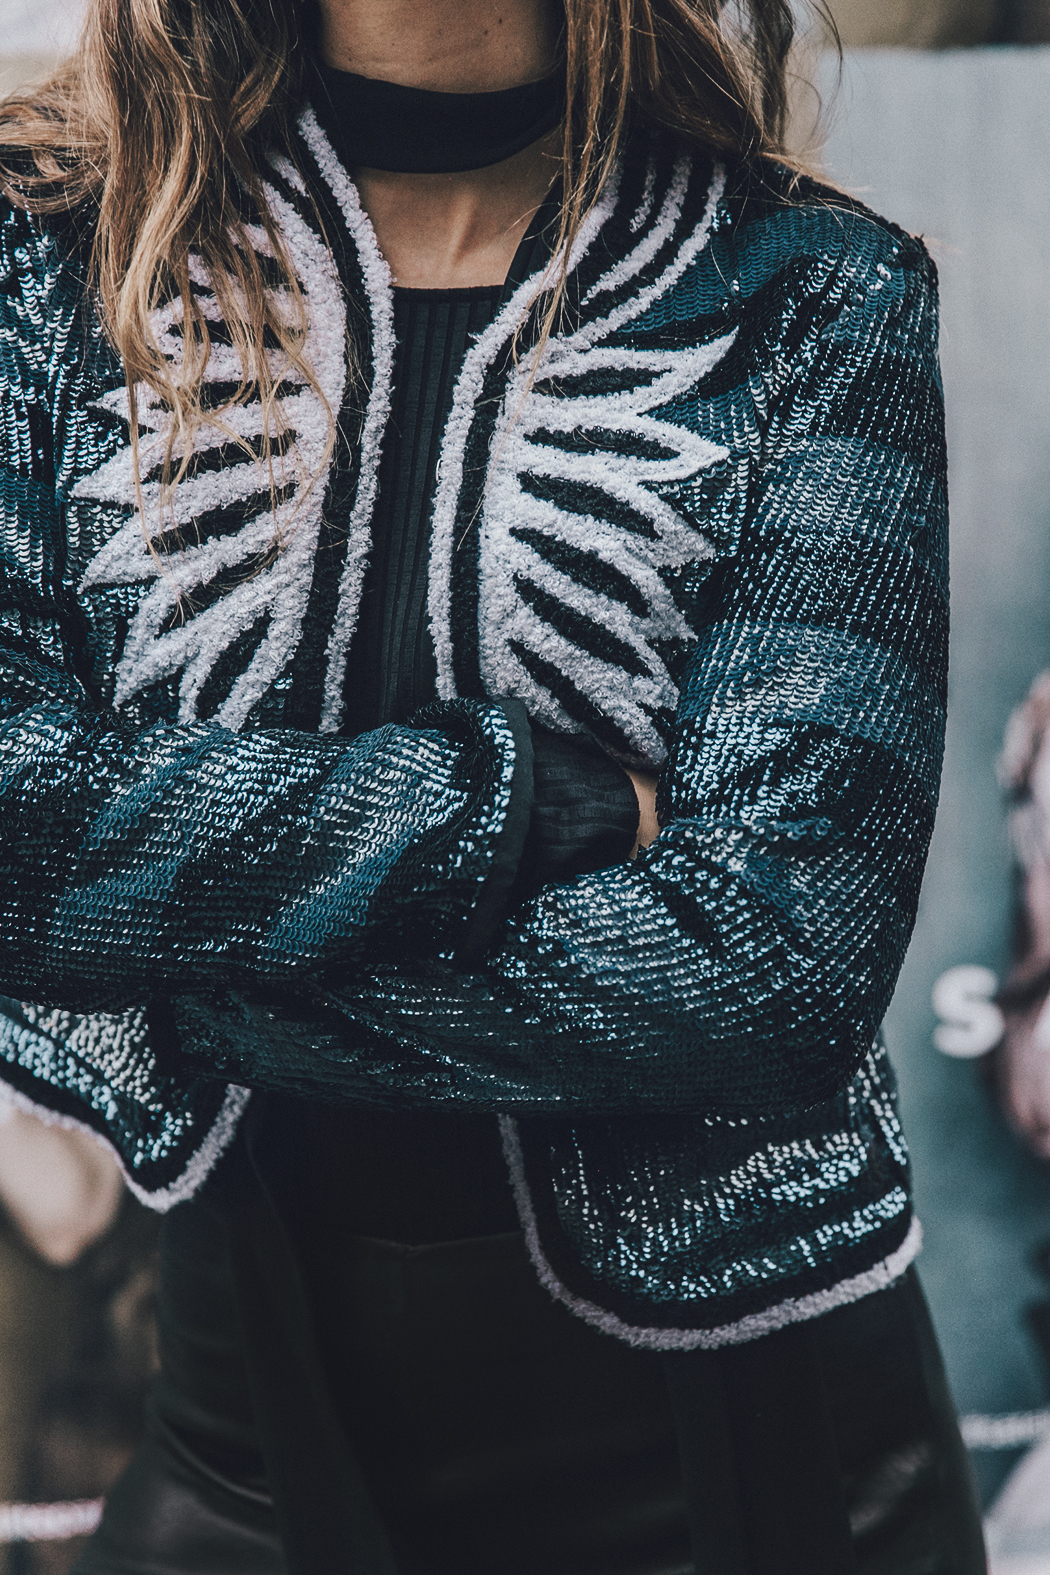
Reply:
x=572, y=492
x=379, y=290
x=214, y=577
x=576, y=544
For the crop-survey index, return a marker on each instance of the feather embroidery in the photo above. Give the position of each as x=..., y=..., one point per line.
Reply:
x=576, y=539
x=576, y=545
x=218, y=580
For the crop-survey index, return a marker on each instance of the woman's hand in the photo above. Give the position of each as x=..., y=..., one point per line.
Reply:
x=648, y=825
x=588, y=811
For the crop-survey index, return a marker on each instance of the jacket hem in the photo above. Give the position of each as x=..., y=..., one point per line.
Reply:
x=198, y=1167
x=752, y=1327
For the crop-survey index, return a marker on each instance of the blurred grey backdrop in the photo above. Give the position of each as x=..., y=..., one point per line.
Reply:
x=955, y=146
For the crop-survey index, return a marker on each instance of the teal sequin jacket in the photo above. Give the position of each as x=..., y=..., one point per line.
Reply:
x=706, y=527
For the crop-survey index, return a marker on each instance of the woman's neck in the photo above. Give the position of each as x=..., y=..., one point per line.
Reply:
x=448, y=46
x=449, y=231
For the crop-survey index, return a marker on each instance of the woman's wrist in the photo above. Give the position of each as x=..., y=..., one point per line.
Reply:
x=584, y=811
x=644, y=783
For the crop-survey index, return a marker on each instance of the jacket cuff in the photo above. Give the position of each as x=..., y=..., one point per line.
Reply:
x=492, y=905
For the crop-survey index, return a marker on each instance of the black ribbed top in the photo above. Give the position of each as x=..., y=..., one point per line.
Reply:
x=391, y=671
x=433, y=1175
x=430, y=1175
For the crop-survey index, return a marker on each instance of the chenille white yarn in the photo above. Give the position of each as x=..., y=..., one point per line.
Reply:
x=160, y=644
x=656, y=236
x=379, y=290
x=625, y=271
x=645, y=206
x=468, y=390
x=649, y=379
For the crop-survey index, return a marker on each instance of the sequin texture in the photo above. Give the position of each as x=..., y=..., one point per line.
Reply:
x=708, y=529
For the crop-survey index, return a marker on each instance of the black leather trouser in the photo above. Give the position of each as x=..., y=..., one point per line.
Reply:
x=496, y=1434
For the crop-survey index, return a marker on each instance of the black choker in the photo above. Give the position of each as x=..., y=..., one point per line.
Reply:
x=385, y=126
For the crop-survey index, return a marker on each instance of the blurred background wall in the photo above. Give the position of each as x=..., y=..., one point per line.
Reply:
x=954, y=145
x=940, y=24
x=940, y=118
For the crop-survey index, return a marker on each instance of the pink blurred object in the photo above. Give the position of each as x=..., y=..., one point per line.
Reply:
x=1022, y=1062
x=60, y=1187
x=49, y=1522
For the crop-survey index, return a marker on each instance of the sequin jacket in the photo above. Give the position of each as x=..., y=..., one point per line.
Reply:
x=707, y=528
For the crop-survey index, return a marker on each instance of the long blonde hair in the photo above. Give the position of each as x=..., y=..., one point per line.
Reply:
x=159, y=125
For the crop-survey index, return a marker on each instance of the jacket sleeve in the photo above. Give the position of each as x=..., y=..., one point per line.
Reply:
x=137, y=860
x=742, y=964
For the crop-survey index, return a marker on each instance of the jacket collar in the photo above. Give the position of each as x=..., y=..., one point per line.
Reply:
x=551, y=542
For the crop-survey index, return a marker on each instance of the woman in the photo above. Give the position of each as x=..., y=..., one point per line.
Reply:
x=424, y=424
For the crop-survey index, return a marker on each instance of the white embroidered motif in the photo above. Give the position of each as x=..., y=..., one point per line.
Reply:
x=538, y=605
x=468, y=391
x=573, y=535
x=531, y=600
x=161, y=643
x=379, y=289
